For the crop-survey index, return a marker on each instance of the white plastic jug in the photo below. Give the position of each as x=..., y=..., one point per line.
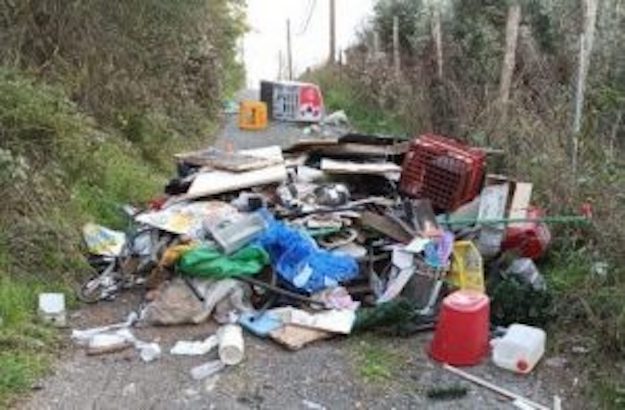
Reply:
x=520, y=349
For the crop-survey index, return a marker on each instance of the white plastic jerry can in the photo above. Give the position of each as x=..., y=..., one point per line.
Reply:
x=520, y=349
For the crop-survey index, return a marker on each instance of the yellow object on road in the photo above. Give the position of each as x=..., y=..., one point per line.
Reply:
x=252, y=115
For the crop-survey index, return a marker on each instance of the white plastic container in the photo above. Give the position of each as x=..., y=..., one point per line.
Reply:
x=52, y=309
x=231, y=347
x=520, y=349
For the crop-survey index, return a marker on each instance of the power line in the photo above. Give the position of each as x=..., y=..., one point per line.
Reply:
x=304, y=26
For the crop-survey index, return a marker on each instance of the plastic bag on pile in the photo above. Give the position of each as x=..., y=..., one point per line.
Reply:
x=103, y=241
x=208, y=262
x=299, y=261
x=177, y=303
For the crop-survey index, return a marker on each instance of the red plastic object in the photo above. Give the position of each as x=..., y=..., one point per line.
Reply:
x=443, y=170
x=530, y=239
x=461, y=336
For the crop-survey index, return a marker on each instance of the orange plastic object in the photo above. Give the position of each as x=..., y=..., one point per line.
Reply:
x=252, y=115
x=462, y=331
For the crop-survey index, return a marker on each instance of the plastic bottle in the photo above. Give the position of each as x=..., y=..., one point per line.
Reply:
x=207, y=369
x=520, y=349
x=231, y=347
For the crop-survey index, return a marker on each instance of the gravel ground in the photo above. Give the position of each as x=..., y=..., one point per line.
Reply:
x=357, y=372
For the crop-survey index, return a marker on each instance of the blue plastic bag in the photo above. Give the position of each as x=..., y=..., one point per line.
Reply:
x=298, y=260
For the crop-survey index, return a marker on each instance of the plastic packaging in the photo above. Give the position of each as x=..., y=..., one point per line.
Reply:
x=467, y=271
x=207, y=369
x=520, y=349
x=299, y=261
x=526, y=269
x=231, y=346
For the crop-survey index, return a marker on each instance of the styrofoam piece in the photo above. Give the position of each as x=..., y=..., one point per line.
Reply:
x=104, y=340
x=196, y=348
x=334, y=321
x=349, y=167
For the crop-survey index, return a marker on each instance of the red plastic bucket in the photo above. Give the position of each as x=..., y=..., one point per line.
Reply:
x=461, y=335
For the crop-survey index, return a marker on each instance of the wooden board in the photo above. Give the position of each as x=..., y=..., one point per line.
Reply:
x=217, y=181
x=230, y=161
x=520, y=200
x=386, y=226
x=295, y=337
x=364, y=150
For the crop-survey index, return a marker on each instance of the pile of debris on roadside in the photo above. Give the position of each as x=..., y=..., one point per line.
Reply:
x=328, y=237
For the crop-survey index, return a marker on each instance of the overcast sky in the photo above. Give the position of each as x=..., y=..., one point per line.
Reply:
x=267, y=38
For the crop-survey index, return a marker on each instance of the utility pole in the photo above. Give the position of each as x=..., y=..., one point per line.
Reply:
x=332, y=31
x=288, y=49
x=376, y=44
x=586, y=40
x=437, y=36
x=509, y=59
x=396, y=62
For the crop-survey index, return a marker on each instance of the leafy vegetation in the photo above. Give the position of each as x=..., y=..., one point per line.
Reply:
x=584, y=269
x=26, y=347
x=374, y=361
x=342, y=92
x=95, y=97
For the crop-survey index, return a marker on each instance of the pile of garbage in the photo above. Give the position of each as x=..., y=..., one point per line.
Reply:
x=325, y=238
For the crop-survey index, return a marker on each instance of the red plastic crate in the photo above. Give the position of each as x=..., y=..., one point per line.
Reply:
x=446, y=171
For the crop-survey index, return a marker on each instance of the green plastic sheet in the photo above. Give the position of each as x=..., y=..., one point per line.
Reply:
x=207, y=262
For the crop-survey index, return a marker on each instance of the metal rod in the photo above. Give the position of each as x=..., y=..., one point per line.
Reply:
x=279, y=290
x=547, y=219
x=490, y=386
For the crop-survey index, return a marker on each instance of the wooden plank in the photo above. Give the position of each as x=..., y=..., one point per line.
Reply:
x=368, y=150
x=295, y=337
x=520, y=200
x=217, y=181
x=231, y=161
x=386, y=226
